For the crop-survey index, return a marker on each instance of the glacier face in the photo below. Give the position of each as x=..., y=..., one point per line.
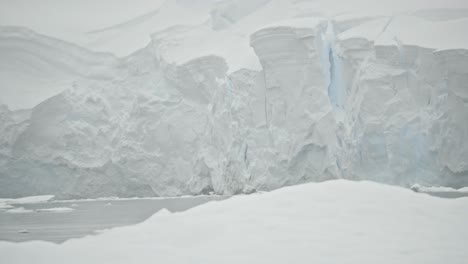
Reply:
x=238, y=104
x=407, y=114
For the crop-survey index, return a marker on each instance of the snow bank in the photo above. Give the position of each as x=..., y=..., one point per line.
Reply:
x=336, y=222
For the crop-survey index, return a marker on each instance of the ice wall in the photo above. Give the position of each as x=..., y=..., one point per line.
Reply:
x=354, y=97
x=405, y=104
x=298, y=113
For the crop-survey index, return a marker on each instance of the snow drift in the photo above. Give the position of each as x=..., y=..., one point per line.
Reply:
x=237, y=96
x=336, y=222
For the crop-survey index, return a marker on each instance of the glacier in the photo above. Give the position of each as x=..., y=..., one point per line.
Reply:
x=228, y=97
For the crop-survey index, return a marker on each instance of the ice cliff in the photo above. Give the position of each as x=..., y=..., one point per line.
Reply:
x=243, y=96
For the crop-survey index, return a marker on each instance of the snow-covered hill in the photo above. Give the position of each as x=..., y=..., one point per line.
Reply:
x=174, y=97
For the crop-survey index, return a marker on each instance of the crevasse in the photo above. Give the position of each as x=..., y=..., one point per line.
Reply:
x=331, y=62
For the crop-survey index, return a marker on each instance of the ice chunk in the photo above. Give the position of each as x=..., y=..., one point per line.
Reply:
x=19, y=210
x=55, y=210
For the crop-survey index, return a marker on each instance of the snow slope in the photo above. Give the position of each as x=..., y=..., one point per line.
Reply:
x=35, y=67
x=175, y=97
x=332, y=222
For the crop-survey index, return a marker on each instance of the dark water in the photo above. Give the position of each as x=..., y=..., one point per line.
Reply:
x=87, y=217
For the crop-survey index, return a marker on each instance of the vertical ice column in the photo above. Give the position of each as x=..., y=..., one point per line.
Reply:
x=300, y=119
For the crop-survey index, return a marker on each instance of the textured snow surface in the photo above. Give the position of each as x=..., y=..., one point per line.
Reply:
x=332, y=222
x=184, y=97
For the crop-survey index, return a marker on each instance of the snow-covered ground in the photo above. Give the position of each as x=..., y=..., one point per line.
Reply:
x=332, y=222
x=188, y=97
